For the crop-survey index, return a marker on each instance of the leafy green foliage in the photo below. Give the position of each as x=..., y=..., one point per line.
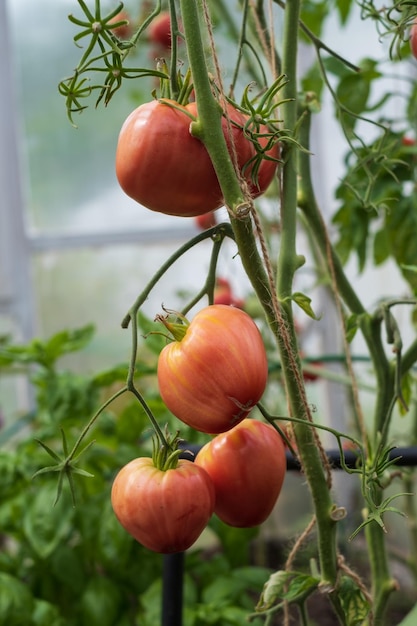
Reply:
x=62, y=565
x=291, y=586
x=377, y=197
x=356, y=607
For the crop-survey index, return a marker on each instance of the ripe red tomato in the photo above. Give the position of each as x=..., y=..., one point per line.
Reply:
x=223, y=294
x=160, y=30
x=311, y=376
x=217, y=372
x=165, y=511
x=413, y=38
x=163, y=167
x=247, y=466
x=408, y=141
x=126, y=30
x=206, y=220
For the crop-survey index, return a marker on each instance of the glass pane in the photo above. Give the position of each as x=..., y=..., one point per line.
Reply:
x=79, y=287
x=70, y=177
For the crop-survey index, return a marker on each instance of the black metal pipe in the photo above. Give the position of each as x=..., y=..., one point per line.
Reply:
x=403, y=456
x=172, y=589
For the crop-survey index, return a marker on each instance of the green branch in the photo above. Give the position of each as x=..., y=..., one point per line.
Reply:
x=288, y=262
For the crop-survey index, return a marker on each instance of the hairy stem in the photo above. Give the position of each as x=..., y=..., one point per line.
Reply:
x=208, y=130
x=287, y=265
x=371, y=330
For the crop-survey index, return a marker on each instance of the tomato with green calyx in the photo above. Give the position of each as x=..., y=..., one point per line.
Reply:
x=164, y=510
x=164, y=168
x=247, y=466
x=216, y=369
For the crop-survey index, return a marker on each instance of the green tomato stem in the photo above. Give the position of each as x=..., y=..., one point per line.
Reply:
x=286, y=266
x=221, y=231
x=208, y=127
x=209, y=131
x=173, y=74
x=371, y=330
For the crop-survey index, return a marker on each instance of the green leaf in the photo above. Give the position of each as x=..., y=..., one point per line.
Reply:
x=100, y=603
x=235, y=541
x=401, y=225
x=407, y=386
x=312, y=81
x=344, y=7
x=352, y=325
x=355, y=605
x=67, y=567
x=233, y=616
x=354, y=89
x=114, y=544
x=300, y=587
x=46, y=614
x=68, y=341
x=224, y=589
x=304, y=302
x=273, y=590
x=381, y=246
x=46, y=353
x=45, y=525
x=16, y=601
x=291, y=586
x=313, y=15
x=131, y=422
x=109, y=377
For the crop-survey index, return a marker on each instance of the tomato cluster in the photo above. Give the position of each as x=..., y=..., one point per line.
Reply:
x=215, y=370
x=164, y=168
x=210, y=377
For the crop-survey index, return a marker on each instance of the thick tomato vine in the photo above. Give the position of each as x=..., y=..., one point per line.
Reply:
x=247, y=466
x=216, y=371
x=163, y=167
x=164, y=510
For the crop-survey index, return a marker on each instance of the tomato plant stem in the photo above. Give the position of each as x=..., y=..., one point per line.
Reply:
x=173, y=73
x=371, y=330
x=287, y=264
x=217, y=232
x=382, y=584
x=208, y=127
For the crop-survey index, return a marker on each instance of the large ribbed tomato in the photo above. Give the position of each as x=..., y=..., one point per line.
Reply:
x=163, y=167
x=247, y=467
x=214, y=375
x=164, y=510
